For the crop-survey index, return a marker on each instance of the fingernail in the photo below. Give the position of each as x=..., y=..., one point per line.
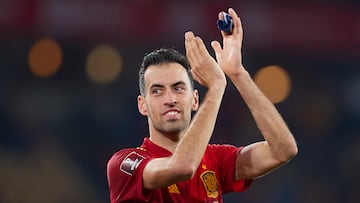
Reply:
x=187, y=35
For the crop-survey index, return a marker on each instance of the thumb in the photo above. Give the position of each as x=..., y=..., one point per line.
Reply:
x=217, y=48
x=195, y=77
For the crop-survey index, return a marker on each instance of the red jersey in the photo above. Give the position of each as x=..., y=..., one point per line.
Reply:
x=214, y=177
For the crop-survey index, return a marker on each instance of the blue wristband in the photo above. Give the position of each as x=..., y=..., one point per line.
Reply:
x=226, y=24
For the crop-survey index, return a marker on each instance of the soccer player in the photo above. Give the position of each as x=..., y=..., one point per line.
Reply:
x=176, y=163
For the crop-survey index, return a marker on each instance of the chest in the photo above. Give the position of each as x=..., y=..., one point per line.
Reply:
x=203, y=187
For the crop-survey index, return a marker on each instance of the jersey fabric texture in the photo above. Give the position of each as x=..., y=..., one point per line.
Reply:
x=214, y=176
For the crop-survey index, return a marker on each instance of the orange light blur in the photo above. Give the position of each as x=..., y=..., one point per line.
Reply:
x=45, y=57
x=103, y=64
x=275, y=83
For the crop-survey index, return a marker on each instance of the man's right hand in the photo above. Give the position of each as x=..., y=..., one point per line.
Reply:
x=205, y=69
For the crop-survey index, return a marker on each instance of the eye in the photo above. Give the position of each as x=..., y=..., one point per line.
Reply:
x=156, y=91
x=180, y=88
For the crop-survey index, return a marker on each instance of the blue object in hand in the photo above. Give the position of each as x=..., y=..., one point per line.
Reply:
x=226, y=24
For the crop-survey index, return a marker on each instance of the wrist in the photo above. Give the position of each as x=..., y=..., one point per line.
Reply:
x=234, y=69
x=218, y=85
x=240, y=73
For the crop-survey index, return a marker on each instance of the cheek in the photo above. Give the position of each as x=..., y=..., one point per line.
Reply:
x=151, y=108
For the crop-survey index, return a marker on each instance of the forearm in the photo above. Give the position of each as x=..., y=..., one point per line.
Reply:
x=193, y=145
x=271, y=124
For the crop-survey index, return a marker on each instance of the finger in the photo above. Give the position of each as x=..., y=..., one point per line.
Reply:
x=197, y=47
x=188, y=40
x=196, y=78
x=217, y=49
x=233, y=13
x=202, y=48
x=221, y=17
x=236, y=21
x=189, y=45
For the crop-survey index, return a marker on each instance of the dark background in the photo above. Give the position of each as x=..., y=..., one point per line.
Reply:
x=57, y=132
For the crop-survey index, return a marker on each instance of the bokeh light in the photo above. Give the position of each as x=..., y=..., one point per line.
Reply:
x=104, y=64
x=45, y=57
x=275, y=83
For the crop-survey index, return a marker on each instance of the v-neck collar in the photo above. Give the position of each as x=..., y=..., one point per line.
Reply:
x=154, y=149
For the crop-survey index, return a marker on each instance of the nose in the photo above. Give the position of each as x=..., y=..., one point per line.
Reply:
x=170, y=99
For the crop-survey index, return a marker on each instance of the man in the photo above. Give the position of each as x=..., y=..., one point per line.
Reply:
x=177, y=163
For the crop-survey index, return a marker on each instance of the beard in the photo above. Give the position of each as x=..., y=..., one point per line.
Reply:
x=171, y=127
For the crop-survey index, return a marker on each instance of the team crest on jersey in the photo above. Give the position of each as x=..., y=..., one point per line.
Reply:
x=210, y=183
x=131, y=162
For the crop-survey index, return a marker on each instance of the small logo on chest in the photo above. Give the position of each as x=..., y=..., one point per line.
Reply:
x=210, y=183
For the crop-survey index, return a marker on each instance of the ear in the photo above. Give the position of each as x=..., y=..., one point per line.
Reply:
x=142, y=105
x=195, y=104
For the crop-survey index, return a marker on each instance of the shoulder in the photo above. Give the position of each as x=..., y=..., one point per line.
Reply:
x=222, y=147
x=124, y=173
x=222, y=150
x=132, y=152
x=127, y=160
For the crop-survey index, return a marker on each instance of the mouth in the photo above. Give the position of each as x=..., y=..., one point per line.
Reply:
x=172, y=114
x=171, y=111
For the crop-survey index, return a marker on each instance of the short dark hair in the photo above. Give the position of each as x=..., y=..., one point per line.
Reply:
x=161, y=56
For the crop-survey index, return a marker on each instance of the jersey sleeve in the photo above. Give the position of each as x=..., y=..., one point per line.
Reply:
x=226, y=155
x=124, y=174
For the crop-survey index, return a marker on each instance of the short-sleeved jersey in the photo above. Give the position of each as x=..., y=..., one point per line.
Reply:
x=215, y=176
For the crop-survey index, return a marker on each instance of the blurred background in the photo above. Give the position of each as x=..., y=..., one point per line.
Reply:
x=68, y=88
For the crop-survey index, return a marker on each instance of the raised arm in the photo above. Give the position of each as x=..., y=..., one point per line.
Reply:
x=182, y=165
x=279, y=145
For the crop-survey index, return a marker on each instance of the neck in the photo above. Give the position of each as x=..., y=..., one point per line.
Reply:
x=166, y=141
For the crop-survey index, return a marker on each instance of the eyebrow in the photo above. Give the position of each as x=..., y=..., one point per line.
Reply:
x=156, y=85
x=178, y=83
x=173, y=85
